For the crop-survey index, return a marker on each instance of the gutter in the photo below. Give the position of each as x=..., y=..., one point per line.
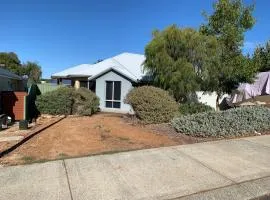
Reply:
x=9, y=77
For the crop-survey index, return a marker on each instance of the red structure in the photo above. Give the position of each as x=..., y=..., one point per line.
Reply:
x=13, y=104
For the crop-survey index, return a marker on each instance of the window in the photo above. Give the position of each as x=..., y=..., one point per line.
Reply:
x=113, y=94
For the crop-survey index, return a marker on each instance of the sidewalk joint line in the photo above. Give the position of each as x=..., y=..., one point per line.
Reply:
x=225, y=186
x=205, y=165
x=64, y=164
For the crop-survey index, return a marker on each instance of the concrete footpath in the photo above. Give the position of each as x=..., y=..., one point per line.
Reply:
x=228, y=169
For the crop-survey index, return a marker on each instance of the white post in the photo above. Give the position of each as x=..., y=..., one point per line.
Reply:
x=77, y=84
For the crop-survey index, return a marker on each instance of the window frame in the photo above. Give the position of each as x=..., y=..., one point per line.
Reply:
x=113, y=100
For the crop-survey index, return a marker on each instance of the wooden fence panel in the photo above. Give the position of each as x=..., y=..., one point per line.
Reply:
x=47, y=87
x=13, y=104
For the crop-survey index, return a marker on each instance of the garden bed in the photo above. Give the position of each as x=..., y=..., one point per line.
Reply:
x=101, y=133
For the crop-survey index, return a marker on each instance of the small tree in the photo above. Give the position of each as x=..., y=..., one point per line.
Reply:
x=175, y=58
x=230, y=20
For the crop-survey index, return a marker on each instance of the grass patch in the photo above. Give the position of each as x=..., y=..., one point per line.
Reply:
x=123, y=138
x=62, y=155
x=28, y=159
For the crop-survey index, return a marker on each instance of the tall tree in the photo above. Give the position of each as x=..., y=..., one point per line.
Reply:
x=228, y=23
x=11, y=62
x=33, y=71
x=175, y=57
x=261, y=57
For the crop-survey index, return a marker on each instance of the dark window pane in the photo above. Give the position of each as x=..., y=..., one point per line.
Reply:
x=109, y=85
x=117, y=90
x=108, y=104
x=116, y=104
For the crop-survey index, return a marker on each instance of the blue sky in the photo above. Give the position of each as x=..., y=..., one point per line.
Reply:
x=60, y=34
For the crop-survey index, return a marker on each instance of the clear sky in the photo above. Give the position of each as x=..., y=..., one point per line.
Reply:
x=60, y=34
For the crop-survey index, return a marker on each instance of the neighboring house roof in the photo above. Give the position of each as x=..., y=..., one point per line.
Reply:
x=7, y=74
x=129, y=65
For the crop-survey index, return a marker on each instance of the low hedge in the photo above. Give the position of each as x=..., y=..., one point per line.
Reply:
x=66, y=101
x=152, y=105
x=192, y=108
x=234, y=122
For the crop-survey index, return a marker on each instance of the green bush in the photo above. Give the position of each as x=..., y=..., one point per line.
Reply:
x=152, y=105
x=85, y=102
x=57, y=102
x=66, y=101
x=234, y=122
x=192, y=108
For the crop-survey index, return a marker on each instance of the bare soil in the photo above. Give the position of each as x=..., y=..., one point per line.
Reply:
x=100, y=133
x=14, y=130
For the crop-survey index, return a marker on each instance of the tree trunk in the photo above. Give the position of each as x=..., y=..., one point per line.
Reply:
x=217, y=103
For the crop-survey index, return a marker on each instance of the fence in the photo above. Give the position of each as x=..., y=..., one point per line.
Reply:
x=48, y=87
x=14, y=104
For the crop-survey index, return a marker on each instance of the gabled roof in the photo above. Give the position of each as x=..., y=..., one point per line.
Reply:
x=7, y=74
x=128, y=64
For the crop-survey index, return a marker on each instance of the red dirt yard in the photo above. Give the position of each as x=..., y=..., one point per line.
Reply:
x=81, y=136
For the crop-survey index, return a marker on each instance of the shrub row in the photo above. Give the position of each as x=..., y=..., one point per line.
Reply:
x=66, y=101
x=234, y=122
x=192, y=108
x=152, y=105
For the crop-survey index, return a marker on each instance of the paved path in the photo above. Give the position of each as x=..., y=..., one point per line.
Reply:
x=229, y=169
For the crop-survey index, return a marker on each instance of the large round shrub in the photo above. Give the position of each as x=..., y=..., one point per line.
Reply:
x=57, y=102
x=152, y=105
x=66, y=101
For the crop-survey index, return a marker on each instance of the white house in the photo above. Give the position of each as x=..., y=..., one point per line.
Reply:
x=111, y=79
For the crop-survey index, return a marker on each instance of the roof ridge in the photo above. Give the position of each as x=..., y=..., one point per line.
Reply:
x=124, y=66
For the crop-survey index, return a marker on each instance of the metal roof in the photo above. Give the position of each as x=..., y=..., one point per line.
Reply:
x=128, y=64
x=8, y=74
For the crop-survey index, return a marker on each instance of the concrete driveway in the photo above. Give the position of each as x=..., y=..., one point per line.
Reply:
x=228, y=169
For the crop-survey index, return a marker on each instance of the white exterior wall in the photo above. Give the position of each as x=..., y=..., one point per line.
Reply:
x=209, y=98
x=126, y=86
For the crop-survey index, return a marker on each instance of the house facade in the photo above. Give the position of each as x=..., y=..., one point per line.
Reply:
x=111, y=79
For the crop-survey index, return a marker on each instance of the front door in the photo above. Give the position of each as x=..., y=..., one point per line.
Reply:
x=113, y=94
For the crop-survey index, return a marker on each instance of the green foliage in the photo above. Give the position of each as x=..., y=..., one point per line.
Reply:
x=176, y=56
x=11, y=62
x=261, y=57
x=66, y=101
x=57, y=102
x=152, y=105
x=192, y=108
x=229, y=123
x=33, y=71
x=85, y=102
x=230, y=20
